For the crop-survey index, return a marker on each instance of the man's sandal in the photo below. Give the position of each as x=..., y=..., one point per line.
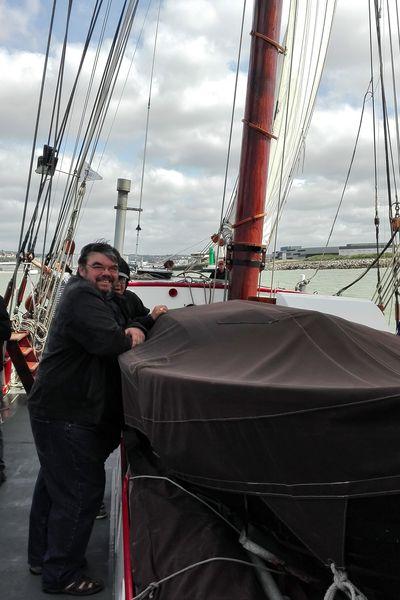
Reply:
x=83, y=586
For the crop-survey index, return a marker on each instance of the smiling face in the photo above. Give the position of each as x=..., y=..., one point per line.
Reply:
x=100, y=270
x=120, y=285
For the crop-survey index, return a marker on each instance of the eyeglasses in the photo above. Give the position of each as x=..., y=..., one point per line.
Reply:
x=99, y=268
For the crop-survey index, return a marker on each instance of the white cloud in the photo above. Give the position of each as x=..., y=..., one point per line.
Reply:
x=15, y=18
x=189, y=127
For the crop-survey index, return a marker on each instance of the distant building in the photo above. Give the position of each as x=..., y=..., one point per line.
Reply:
x=354, y=249
x=287, y=252
x=308, y=252
x=300, y=253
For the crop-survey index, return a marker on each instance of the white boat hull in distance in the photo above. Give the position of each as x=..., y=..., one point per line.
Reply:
x=357, y=310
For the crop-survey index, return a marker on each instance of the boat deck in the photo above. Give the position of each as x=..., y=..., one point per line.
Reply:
x=16, y=583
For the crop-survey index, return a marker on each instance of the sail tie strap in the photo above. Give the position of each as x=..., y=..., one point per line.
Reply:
x=269, y=40
x=248, y=219
x=342, y=584
x=151, y=589
x=267, y=134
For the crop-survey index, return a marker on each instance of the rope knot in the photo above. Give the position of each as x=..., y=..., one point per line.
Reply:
x=153, y=587
x=342, y=584
x=340, y=579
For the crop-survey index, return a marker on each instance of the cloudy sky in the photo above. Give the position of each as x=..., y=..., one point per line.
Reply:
x=189, y=124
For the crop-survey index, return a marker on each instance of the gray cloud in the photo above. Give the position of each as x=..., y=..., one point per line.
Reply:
x=189, y=127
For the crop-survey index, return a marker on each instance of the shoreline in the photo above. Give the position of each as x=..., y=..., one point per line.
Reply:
x=358, y=263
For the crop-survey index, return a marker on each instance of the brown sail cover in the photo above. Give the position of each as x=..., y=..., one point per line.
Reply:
x=295, y=407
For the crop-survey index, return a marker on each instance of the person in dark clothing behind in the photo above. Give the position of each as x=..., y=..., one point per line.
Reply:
x=220, y=272
x=130, y=303
x=5, y=333
x=132, y=308
x=76, y=415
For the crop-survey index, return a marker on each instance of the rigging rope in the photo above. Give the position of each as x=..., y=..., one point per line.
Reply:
x=183, y=489
x=38, y=113
x=58, y=254
x=310, y=60
x=387, y=284
x=366, y=95
x=60, y=132
x=376, y=259
x=384, y=105
x=58, y=91
x=396, y=204
x=152, y=587
x=221, y=220
x=62, y=232
x=9, y=295
x=311, y=28
x=138, y=228
x=280, y=199
x=376, y=217
x=96, y=119
x=118, y=104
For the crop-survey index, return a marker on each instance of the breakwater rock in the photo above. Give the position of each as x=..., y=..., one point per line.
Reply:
x=344, y=263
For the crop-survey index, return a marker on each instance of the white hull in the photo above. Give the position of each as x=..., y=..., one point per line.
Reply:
x=177, y=294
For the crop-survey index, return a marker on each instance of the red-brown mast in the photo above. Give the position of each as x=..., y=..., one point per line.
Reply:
x=245, y=254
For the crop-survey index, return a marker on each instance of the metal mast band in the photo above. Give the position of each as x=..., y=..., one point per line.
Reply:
x=269, y=40
x=267, y=134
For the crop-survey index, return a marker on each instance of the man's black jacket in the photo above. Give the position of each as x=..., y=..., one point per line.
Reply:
x=133, y=309
x=218, y=274
x=79, y=378
x=5, y=326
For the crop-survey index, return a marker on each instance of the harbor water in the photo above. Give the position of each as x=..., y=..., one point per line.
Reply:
x=326, y=281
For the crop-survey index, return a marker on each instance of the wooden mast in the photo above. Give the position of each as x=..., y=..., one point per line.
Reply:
x=245, y=254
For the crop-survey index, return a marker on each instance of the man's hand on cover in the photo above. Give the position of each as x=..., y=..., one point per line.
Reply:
x=158, y=310
x=137, y=336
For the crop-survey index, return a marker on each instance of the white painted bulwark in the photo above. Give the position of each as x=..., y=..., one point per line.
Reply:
x=357, y=310
x=177, y=294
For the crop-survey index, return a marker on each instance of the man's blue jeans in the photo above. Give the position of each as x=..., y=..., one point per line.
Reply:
x=2, y=465
x=68, y=493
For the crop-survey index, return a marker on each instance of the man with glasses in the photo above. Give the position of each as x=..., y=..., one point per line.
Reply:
x=76, y=416
x=5, y=333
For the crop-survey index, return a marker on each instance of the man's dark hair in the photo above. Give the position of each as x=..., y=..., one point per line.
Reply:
x=102, y=247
